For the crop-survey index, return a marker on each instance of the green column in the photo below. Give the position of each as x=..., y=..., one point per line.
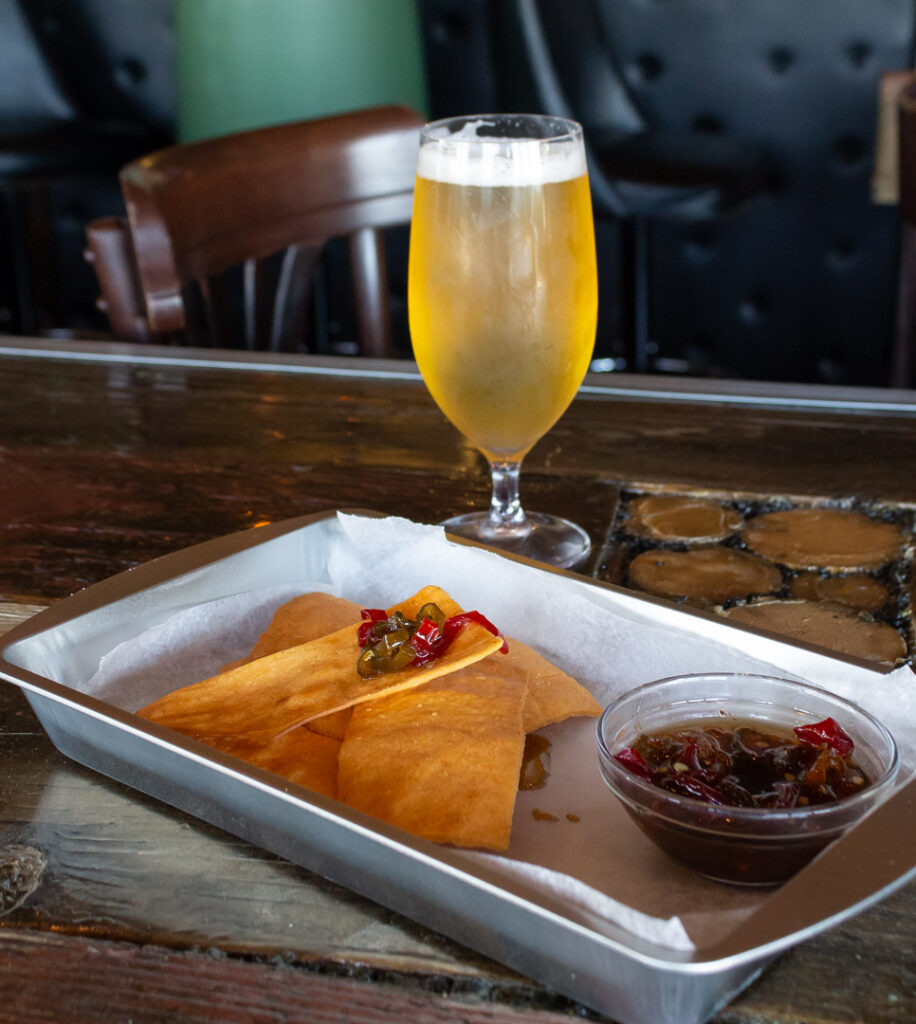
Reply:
x=246, y=63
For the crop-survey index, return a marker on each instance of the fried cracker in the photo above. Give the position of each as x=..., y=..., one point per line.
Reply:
x=299, y=755
x=553, y=696
x=264, y=698
x=440, y=761
x=300, y=620
x=333, y=725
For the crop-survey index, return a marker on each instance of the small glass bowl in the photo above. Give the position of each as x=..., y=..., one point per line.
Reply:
x=740, y=845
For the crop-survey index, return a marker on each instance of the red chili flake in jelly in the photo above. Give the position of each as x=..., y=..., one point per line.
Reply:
x=827, y=732
x=634, y=762
x=740, y=764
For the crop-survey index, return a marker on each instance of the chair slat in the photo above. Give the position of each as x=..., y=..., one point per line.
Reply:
x=370, y=287
x=209, y=310
x=250, y=303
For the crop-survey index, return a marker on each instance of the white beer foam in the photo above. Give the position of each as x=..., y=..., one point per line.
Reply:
x=464, y=158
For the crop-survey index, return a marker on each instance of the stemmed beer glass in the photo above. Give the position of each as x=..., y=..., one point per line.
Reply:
x=502, y=297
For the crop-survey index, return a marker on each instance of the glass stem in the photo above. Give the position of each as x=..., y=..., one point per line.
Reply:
x=506, y=512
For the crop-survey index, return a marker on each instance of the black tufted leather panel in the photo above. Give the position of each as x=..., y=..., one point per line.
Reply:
x=113, y=58
x=27, y=87
x=85, y=86
x=802, y=286
x=459, y=58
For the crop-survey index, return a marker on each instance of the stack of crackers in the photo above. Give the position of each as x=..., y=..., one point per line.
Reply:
x=435, y=749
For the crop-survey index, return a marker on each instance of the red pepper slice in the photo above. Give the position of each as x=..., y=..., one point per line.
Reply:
x=690, y=784
x=455, y=623
x=369, y=616
x=428, y=641
x=689, y=755
x=634, y=762
x=826, y=731
x=428, y=631
x=423, y=651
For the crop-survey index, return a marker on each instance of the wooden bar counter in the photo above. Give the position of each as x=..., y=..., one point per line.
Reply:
x=116, y=908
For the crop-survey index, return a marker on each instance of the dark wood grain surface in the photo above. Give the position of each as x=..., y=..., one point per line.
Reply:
x=114, y=907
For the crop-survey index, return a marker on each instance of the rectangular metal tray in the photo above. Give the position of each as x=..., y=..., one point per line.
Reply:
x=610, y=970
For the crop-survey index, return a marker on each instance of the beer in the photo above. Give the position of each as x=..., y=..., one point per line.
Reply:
x=502, y=285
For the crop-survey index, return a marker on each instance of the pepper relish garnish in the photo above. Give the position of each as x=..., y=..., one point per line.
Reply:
x=390, y=642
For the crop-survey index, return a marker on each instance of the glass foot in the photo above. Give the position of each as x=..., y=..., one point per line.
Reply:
x=548, y=539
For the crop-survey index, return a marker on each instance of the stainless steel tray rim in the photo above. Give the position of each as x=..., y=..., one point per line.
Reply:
x=378, y=833
x=171, y=575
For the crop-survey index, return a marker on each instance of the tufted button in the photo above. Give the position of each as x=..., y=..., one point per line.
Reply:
x=848, y=151
x=708, y=124
x=832, y=369
x=700, y=244
x=130, y=71
x=858, y=53
x=842, y=253
x=776, y=182
x=647, y=68
x=451, y=27
x=754, y=308
x=780, y=59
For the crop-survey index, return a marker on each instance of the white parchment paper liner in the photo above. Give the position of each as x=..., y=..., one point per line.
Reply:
x=590, y=856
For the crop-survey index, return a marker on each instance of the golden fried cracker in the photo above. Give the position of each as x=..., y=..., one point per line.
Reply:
x=300, y=620
x=266, y=697
x=440, y=761
x=333, y=725
x=299, y=755
x=552, y=694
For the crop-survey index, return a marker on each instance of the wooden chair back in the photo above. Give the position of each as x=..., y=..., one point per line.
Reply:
x=263, y=203
x=110, y=252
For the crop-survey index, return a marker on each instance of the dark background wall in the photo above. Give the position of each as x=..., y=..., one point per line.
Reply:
x=798, y=284
x=85, y=86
